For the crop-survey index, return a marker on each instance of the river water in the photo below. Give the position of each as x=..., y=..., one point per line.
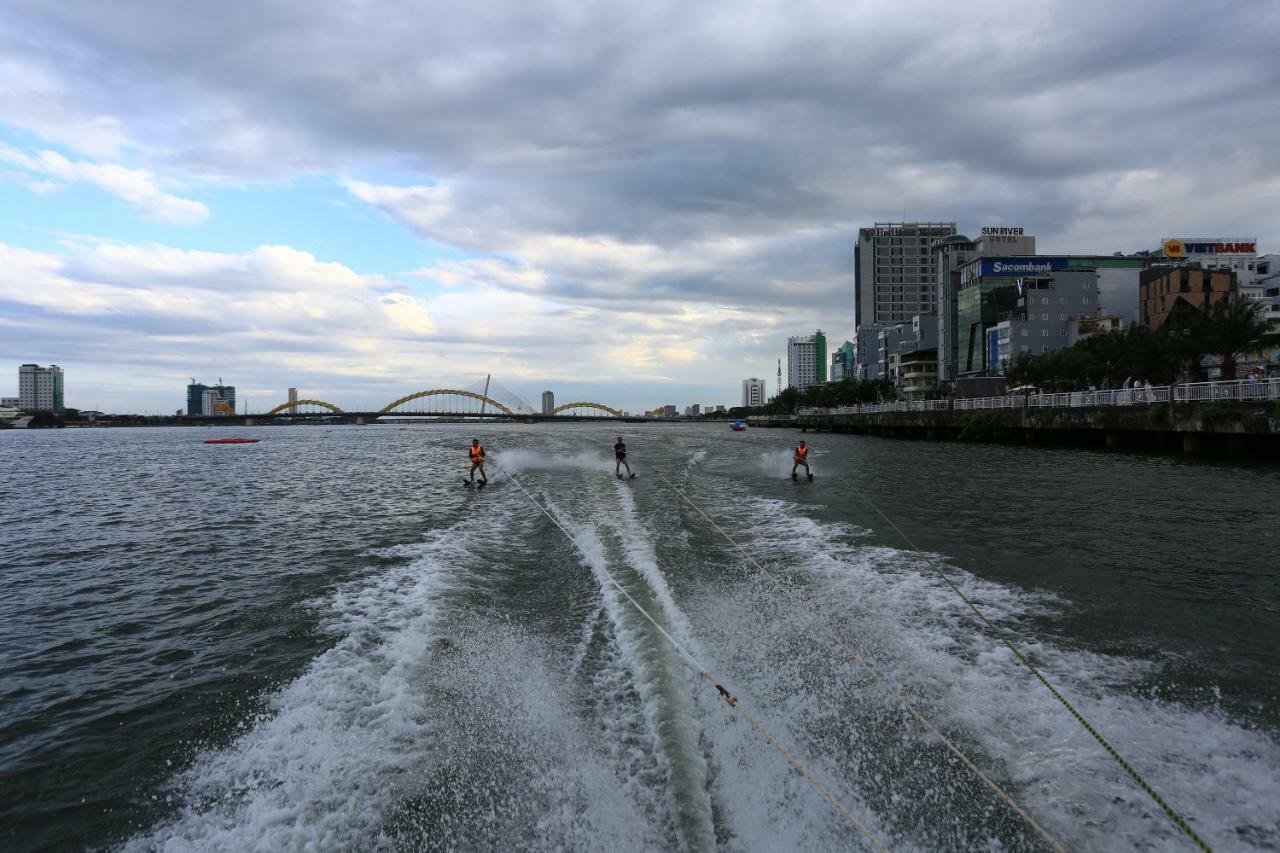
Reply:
x=324, y=641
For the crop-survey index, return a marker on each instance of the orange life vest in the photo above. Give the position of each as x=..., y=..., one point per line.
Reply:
x=477, y=452
x=802, y=452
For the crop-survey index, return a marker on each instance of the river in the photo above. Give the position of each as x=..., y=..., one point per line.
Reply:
x=324, y=641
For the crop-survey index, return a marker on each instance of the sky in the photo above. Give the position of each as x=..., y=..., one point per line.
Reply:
x=633, y=203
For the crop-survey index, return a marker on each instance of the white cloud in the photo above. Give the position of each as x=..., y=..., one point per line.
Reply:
x=642, y=188
x=48, y=170
x=276, y=316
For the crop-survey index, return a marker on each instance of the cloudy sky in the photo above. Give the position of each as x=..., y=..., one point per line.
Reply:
x=630, y=202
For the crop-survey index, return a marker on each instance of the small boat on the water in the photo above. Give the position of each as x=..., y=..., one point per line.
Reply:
x=738, y=426
x=231, y=440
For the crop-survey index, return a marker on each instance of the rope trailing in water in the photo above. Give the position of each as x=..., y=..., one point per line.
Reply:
x=705, y=674
x=1173, y=814
x=879, y=677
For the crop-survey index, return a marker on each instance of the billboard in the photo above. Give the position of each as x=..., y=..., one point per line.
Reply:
x=1021, y=266
x=1183, y=247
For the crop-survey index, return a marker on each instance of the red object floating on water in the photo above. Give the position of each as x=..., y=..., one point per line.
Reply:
x=231, y=440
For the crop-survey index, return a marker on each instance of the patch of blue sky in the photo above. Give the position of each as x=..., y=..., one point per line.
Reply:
x=312, y=213
x=315, y=215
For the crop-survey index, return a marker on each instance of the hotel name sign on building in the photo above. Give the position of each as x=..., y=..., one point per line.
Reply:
x=1175, y=247
x=1001, y=231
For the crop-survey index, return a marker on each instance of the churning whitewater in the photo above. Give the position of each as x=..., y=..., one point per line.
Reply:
x=490, y=681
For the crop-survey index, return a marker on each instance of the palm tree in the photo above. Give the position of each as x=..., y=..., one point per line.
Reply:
x=1235, y=328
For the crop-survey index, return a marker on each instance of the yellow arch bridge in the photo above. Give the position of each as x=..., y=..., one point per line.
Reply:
x=495, y=407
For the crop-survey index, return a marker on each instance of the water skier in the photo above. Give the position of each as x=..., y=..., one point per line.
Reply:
x=476, y=454
x=620, y=459
x=801, y=458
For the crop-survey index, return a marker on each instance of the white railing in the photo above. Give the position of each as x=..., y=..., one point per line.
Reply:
x=1190, y=392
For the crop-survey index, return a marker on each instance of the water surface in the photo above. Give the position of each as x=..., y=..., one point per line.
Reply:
x=324, y=641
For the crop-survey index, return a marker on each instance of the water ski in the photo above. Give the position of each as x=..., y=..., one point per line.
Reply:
x=479, y=485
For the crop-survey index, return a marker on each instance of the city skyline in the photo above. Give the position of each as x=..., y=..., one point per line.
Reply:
x=363, y=212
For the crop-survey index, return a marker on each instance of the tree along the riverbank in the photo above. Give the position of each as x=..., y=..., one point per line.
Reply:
x=1229, y=330
x=846, y=392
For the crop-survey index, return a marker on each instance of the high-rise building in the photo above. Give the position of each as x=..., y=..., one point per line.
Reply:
x=40, y=388
x=196, y=398
x=893, y=274
x=866, y=361
x=548, y=402
x=753, y=392
x=950, y=254
x=806, y=360
x=211, y=403
x=995, y=289
x=293, y=401
x=843, y=362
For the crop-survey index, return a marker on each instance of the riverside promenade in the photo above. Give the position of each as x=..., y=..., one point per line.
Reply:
x=1239, y=418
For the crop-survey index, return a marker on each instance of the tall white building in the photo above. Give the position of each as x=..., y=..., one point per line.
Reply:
x=753, y=392
x=40, y=388
x=806, y=360
x=548, y=402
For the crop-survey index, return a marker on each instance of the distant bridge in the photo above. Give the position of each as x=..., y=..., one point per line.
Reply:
x=432, y=403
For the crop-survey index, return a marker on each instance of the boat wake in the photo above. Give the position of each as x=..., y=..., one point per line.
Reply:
x=493, y=687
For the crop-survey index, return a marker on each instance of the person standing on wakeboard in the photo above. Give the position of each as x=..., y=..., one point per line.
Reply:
x=476, y=453
x=801, y=458
x=620, y=459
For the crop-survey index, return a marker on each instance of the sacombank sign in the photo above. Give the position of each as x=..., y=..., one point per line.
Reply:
x=1021, y=266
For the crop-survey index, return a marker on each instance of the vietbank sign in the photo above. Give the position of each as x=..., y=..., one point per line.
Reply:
x=1021, y=266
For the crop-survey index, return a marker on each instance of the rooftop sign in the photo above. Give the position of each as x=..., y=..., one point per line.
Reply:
x=1021, y=266
x=1175, y=247
x=1002, y=231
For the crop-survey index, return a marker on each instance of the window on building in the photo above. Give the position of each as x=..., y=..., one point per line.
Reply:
x=1044, y=333
x=1044, y=300
x=1044, y=317
x=1062, y=300
x=1062, y=316
x=1084, y=301
x=1024, y=333
x=1062, y=333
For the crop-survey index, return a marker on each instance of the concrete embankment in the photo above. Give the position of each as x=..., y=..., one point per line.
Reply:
x=1234, y=428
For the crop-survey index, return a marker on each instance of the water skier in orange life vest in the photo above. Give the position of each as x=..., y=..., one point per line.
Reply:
x=476, y=453
x=801, y=458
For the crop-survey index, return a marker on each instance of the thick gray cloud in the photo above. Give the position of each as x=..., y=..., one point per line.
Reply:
x=658, y=156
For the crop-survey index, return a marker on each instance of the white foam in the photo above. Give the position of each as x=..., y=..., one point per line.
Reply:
x=659, y=676
x=775, y=463
x=889, y=605
x=320, y=767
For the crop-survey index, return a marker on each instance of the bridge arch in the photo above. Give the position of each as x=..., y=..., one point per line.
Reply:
x=584, y=405
x=291, y=403
x=441, y=392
